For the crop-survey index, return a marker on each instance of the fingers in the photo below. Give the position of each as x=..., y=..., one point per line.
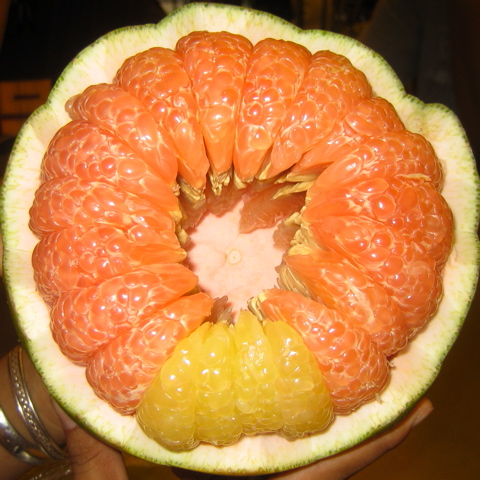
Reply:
x=90, y=459
x=191, y=475
x=344, y=465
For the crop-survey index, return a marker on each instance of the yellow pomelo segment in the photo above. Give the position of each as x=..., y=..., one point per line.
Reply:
x=303, y=397
x=167, y=410
x=216, y=417
x=255, y=386
x=224, y=381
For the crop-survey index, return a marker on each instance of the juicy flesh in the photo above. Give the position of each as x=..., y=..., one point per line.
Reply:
x=171, y=145
x=224, y=381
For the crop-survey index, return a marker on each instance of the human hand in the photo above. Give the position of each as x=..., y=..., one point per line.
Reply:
x=86, y=457
x=89, y=458
x=345, y=464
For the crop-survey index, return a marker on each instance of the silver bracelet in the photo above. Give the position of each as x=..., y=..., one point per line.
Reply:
x=18, y=446
x=26, y=409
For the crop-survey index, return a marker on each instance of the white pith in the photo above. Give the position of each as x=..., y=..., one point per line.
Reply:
x=230, y=263
x=414, y=369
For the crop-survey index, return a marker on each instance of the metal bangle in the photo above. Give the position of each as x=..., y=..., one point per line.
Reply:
x=18, y=446
x=26, y=409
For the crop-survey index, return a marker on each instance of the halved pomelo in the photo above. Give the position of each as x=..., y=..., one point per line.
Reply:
x=415, y=368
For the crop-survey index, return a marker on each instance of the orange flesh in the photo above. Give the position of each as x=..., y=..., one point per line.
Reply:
x=157, y=78
x=216, y=65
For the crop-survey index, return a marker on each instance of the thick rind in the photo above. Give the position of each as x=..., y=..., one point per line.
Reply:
x=415, y=369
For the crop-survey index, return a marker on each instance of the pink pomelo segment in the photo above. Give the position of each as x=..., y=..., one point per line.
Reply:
x=331, y=87
x=79, y=257
x=157, y=78
x=417, y=211
x=275, y=72
x=85, y=319
x=403, y=268
x=261, y=210
x=403, y=155
x=122, y=370
x=117, y=111
x=354, y=369
x=67, y=201
x=216, y=64
x=335, y=282
x=372, y=117
x=89, y=152
x=190, y=310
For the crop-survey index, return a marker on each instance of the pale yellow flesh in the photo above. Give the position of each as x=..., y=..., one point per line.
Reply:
x=225, y=381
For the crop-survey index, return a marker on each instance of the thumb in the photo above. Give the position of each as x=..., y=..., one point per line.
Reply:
x=346, y=464
x=90, y=459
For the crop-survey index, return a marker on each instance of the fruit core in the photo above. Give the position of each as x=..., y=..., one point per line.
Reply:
x=232, y=264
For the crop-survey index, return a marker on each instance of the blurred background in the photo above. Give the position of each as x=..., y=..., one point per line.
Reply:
x=432, y=44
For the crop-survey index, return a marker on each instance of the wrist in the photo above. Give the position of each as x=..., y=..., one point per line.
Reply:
x=43, y=402
x=30, y=429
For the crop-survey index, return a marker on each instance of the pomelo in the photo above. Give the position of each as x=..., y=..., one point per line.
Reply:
x=415, y=367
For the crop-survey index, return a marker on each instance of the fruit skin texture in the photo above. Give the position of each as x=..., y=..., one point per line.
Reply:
x=414, y=372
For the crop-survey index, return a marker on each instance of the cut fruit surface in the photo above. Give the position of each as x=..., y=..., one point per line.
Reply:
x=85, y=319
x=331, y=87
x=78, y=257
x=275, y=72
x=121, y=372
x=224, y=381
x=87, y=151
x=355, y=370
x=157, y=78
x=332, y=280
x=406, y=272
x=216, y=63
x=113, y=109
x=68, y=201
